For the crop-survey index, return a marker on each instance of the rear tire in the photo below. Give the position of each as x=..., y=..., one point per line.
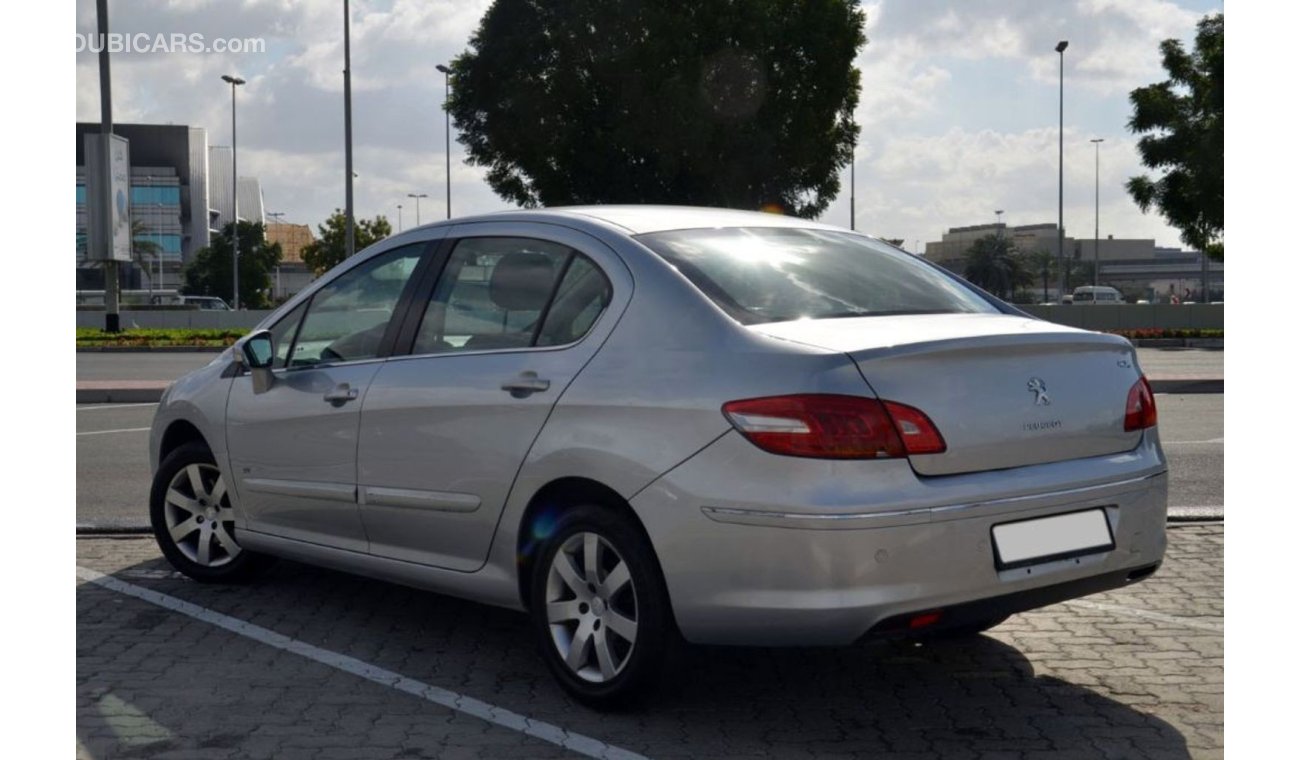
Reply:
x=189, y=508
x=600, y=610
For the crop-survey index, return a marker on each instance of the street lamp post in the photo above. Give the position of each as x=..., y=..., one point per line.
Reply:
x=1096, y=222
x=999, y=223
x=1060, y=179
x=446, y=80
x=417, y=198
x=399, y=217
x=234, y=183
x=350, y=240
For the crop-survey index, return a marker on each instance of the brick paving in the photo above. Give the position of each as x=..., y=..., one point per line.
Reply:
x=1069, y=681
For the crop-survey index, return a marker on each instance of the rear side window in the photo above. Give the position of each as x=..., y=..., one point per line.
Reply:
x=761, y=274
x=506, y=293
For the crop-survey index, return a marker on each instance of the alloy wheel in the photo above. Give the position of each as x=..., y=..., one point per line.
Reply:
x=198, y=516
x=591, y=607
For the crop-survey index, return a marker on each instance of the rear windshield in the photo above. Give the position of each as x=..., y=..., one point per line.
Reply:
x=764, y=274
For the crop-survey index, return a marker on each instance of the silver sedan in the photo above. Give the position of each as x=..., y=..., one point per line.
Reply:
x=653, y=425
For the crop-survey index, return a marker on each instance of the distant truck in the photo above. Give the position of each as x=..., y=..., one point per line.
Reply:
x=1095, y=294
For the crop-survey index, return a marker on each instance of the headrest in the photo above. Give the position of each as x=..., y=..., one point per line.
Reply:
x=521, y=281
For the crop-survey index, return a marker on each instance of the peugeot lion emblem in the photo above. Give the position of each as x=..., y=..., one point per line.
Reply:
x=1039, y=389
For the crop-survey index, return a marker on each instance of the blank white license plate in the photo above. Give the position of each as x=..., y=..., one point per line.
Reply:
x=1026, y=542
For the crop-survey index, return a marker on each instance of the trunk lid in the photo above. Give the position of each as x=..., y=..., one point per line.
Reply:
x=1004, y=391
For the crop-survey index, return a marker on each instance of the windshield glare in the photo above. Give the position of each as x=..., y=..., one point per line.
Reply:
x=763, y=274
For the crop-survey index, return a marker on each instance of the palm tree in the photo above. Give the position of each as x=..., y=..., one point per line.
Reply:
x=1043, y=263
x=992, y=264
x=142, y=247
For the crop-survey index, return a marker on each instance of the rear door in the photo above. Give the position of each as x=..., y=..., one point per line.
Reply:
x=516, y=313
x=293, y=447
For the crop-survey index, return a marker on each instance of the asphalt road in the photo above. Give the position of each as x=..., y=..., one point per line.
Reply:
x=113, y=461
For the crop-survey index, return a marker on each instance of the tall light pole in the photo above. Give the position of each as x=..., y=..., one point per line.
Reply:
x=853, y=187
x=417, y=205
x=112, y=315
x=446, y=80
x=1061, y=47
x=1060, y=178
x=1096, y=223
x=399, y=217
x=351, y=239
x=999, y=222
x=234, y=183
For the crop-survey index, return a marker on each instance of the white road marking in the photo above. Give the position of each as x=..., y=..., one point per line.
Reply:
x=1188, y=443
x=97, y=407
x=119, y=430
x=1204, y=625
x=583, y=745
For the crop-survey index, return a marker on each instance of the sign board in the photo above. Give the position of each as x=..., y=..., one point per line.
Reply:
x=108, y=197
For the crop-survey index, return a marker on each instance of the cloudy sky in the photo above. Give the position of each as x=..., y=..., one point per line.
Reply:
x=958, y=109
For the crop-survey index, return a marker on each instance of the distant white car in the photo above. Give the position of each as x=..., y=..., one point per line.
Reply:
x=1096, y=294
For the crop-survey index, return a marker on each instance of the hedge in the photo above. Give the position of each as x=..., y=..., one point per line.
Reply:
x=94, y=337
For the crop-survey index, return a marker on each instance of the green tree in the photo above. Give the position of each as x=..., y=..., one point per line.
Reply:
x=1182, y=123
x=144, y=251
x=737, y=103
x=209, y=273
x=1042, y=263
x=993, y=264
x=329, y=249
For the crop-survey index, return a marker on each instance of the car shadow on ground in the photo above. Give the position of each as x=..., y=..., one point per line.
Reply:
x=150, y=680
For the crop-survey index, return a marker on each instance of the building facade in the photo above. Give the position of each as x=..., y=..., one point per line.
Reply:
x=169, y=202
x=1135, y=266
x=181, y=195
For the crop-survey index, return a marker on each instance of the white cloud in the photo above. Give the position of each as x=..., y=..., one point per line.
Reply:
x=933, y=155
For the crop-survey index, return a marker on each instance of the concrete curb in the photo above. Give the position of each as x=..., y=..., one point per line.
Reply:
x=120, y=391
x=151, y=349
x=1186, y=385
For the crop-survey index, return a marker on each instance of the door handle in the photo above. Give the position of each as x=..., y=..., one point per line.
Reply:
x=342, y=394
x=527, y=383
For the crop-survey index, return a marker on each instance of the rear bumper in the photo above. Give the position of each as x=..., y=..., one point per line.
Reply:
x=768, y=550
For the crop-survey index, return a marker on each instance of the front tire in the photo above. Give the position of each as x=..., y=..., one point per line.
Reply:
x=193, y=522
x=600, y=610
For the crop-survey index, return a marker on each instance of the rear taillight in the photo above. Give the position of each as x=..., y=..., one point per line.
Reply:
x=1140, y=411
x=826, y=426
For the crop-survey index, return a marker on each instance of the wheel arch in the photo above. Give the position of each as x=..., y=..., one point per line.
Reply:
x=178, y=433
x=549, y=504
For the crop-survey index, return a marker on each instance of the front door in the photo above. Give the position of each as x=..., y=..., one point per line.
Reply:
x=293, y=447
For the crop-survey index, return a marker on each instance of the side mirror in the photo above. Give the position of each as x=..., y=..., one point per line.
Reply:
x=258, y=353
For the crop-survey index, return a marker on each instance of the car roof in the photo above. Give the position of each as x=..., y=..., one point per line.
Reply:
x=637, y=220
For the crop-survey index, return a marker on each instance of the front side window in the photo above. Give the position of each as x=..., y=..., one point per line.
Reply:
x=282, y=334
x=502, y=293
x=347, y=318
x=763, y=274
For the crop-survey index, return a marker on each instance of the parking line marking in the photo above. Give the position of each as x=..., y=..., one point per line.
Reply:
x=1188, y=443
x=1203, y=625
x=98, y=407
x=119, y=430
x=548, y=732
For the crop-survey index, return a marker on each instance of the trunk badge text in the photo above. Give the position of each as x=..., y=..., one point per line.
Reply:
x=1039, y=389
